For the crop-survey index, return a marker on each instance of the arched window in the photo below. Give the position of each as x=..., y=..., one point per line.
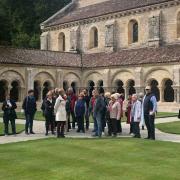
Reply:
x=62, y=42
x=3, y=90
x=131, y=89
x=37, y=90
x=91, y=85
x=47, y=87
x=168, y=91
x=65, y=85
x=178, y=25
x=14, y=92
x=155, y=89
x=133, y=33
x=74, y=87
x=119, y=86
x=93, y=42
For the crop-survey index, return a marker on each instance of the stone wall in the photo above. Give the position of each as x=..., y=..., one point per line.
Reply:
x=155, y=27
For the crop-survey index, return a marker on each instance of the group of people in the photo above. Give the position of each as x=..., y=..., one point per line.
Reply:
x=65, y=110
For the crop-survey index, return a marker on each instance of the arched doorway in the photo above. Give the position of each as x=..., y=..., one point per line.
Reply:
x=119, y=86
x=74, y=87
x=154, y=88
x=168, y=91
x=37, y=90
x=15, y=91
x=46, y=88
x=130, y=87
x=91, y=85
x=65, y=86
x=3, y=90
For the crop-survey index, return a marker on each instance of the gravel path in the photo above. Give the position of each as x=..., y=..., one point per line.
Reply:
x=39, y=129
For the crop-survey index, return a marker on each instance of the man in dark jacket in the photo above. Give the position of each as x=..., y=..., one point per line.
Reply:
x=149, y=110
x=29, y=106
x=9, y=107
x=99, y=112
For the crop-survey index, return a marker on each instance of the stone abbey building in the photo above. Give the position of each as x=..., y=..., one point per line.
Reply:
x=120, y=45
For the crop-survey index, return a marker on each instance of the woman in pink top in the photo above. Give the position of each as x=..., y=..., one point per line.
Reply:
x=115, y=113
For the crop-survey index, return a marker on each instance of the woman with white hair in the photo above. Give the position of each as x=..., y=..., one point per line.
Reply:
x=115, y=113
x=136, y=115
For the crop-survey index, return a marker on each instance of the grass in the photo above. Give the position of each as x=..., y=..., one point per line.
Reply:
x=172, y=127
x=19, y=128
x=166, y=114
x=105, y=159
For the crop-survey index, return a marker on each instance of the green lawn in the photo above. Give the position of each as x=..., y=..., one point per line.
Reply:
x=19, y=128
x=105, y=159
x=172, y=127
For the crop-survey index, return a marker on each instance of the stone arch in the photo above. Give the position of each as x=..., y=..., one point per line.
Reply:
x=44, y=76
x=93, y=76
x=133, y=31
x=93, y=37
x=15, y=90
x=123, y=75
x=119, y=86
x=90, y=86
x=37, y=90
x=157, y=73
x=62, y=42
x=71, y=77
x=47, y=86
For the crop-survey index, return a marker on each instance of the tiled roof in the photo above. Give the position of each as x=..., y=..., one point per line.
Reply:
x=38, y=57
x=167, y=54
x=99, y=9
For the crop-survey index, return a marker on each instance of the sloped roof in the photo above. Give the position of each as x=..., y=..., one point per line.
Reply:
x=99, y=9
x=142, y=56
x=38, y=57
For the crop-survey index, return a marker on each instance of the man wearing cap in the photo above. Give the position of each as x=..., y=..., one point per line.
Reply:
x=149, y=112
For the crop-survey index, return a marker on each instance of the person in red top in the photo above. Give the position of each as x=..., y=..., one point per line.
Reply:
x=73, y=98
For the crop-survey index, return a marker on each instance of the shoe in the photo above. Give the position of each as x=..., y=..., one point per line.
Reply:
x=32, y=132
x=53, y=133
x=78, y=131
x=63, y=136
x=26, y=133
x=147, y=138
x=46, y=134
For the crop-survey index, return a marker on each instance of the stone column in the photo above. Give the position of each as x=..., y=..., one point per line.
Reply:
x=30, y=78
x=176, y=83
x=139, y=85
x=161, y=97
x=59, y=79
x=21, y=94
x=176, y=94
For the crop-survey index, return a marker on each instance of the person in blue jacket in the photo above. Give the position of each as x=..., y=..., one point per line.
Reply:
x=80, y=109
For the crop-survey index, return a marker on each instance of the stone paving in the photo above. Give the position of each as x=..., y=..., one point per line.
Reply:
x=39, y=129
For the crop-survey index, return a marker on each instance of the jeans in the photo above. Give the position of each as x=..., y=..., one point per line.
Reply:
x=6, y=125
x=29, y=122
x=119, y=127
x=73, y=119
x=136, y=129
x=80, y=121
x=60, y=128
x=113, y=127
x=87, y=120
x=149, y=121
x=99, y=125
x=50, y=120
x=68, y=121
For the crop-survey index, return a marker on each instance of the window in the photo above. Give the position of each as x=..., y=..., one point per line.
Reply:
x=62, y=42
x=93, y=38
x=133, y=31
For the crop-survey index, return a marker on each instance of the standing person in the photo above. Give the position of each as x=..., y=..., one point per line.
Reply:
x=68, y=112
x=99, y=112
x=107, y=116
x=149, y=112
x=80, y=109
x=121, y=100
x=141, y=96
x=91, y=109
x=9, y=114
x=115, y=113
x=29, y=106
x=49, y=112
x=72, y=98
x=87, y=100
x=60, y=114
x=136, y=115
x=128, y=113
